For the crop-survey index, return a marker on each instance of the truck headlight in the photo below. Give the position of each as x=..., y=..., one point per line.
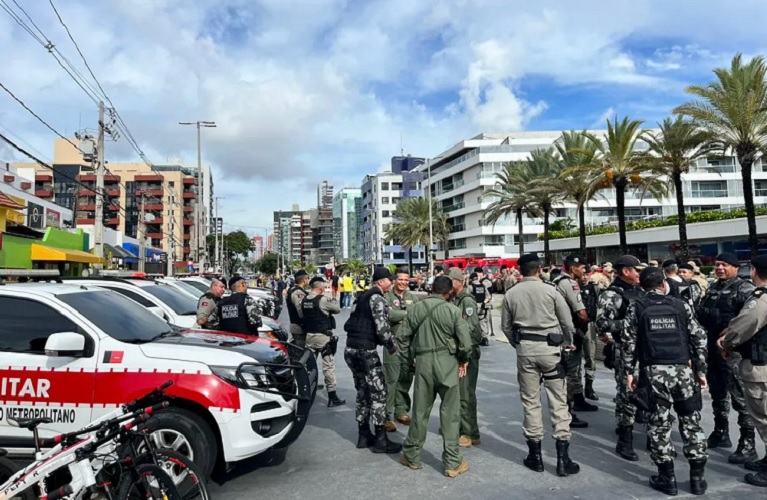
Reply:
x=254, y=377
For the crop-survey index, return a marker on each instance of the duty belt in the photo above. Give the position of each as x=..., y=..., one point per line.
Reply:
x=532, y=337
x=430, y=351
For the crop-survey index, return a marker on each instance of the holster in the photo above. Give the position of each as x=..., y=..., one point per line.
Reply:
x=608, y=352
x=331, y=347
x=643, y=396
x=687, y=407
x=555, y=339
x=516, y=335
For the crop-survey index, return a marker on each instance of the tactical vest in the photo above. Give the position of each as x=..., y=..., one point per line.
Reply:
x=360, y=328
x=755, y=348
x=719, y=307
x=479, y=292
x=295, y=319
x=673, y=288
x=233, y=315
x=662, y=333
x=590, y=296
x=315, y=321
x=629, y=293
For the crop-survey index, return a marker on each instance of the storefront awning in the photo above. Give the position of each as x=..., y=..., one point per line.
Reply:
x=119, y=252
x=50, y=254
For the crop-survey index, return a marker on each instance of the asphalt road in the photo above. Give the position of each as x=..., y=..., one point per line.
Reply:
x=324, y=462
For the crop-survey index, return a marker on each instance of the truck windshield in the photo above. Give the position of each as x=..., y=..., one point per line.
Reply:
x=117, y=316
x=181, y=303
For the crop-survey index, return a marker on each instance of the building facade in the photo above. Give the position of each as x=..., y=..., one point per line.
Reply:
x=461, y=175
x=347, y=216
x=323, y=227
x=284, y=242
x=258, y=247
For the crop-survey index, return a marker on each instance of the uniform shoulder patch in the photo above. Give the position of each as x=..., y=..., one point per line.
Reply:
x=469, y=311
x=576, y=287
x=205, y=304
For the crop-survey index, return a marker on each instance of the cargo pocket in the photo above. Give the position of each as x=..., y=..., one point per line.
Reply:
x=757, y=395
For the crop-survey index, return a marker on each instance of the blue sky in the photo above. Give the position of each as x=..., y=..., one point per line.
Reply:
x=324, y=89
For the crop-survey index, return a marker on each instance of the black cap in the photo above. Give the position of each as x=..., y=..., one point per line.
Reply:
x=759, y=262
x=649, y=276
x=381, y=273
x=686, y=265
x=528, y=258
x=472, y=276
x=234, y=279
x=728, y=258
x=439, y=268
x=626, y=261
x=316, y=279
x=575, y=260
x=668, y=262
x=299, y=274
x=478, y=269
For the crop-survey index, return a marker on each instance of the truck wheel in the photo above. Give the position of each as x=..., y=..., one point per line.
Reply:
x=184, y=432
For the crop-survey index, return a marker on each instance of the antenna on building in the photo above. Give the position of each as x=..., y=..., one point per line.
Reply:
x=401, y=145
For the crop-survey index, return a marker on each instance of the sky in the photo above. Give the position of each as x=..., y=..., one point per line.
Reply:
x=310, y=90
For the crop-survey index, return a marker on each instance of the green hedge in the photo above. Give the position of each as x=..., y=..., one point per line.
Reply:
x=671, y=220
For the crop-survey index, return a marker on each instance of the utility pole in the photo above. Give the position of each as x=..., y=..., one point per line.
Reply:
x=217, y=259
x=142, y=234
x=98, y=240
x=171, y=236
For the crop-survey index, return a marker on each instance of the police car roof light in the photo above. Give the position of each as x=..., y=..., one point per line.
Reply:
x=30, y=274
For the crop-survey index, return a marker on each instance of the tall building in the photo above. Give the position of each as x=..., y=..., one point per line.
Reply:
x=169, y=201
x=258, y=247
x=380, y=195
x=323, y=226
x=283, y=237
x=270, y=243
x=347, y=216
x=461, y=175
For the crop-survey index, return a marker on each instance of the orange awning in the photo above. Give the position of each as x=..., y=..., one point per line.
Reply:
x=7, y=202
x=49, y=254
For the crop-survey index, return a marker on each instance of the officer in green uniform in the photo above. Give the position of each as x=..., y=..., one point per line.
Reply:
x=468, y=385
x=397, y=371
x=441, y=344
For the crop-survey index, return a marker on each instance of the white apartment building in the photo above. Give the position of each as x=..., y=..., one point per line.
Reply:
x=347, y=208
x=460, y=176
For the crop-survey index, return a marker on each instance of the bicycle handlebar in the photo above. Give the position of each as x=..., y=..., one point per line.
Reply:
x=59, y=493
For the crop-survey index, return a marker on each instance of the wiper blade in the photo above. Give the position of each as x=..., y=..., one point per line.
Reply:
x=159, y=336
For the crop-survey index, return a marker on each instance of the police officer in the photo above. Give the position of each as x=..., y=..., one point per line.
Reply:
x=724, y=300
x=538, y=324
x=689, y=289
x=670, y=269
x=397, y=370
x=747, y=334
x=565, y=282
x=662, y=333
x=295, y=297
x=368, y=327
x=698, y=276
x=600, y=278
x=482, y=295
x=441, y=345
x=590, y=295
x=237, y=313
x=468, y=384
x=316, y=311
x=207, y=303
x=611, y=311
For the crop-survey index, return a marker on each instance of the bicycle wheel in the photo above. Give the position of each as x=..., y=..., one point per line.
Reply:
x=7, y=469
x=146, y=482
x=185, y=474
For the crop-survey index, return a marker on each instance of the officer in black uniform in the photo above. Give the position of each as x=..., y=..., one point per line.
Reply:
x=237, y=313
x=481, y=295
x=295, y=296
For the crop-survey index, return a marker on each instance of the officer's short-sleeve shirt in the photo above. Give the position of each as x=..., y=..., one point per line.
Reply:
x=571, y=291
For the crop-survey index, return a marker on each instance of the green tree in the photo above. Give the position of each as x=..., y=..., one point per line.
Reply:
x=544, y=166
x=236, y=245
x=354, y=266
x=267, y=264
x=411, y=226
x=734, y=110
x=677, y=145
x=618, y=164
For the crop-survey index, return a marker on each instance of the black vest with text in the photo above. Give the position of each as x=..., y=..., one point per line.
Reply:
x=295, y=319
x=479, y=292
x=662, y=331
x=360, y=327
x=233, y=316
x=315, y=321
x=719, y=307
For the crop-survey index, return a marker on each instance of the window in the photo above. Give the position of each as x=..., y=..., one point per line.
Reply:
x=131, y=295
x=395, y=200
x=27, y=324
x=181, y=303
x=760, y=188
x=171, y=183
x=385, y=199
x=384, y=213
x=456, y=243
x=384, y=186
x=495, y=240
x=709, y=189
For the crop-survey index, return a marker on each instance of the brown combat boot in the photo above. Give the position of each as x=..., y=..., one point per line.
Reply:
x=458, y=470
x=390, y=426
x=404, y=419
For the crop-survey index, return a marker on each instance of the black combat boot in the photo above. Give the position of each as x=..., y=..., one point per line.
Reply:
x=534, y=460
x=334, y=400
x=565, y=466
x=366, y=438
x=665, y=481
x=758, y=479
x=625, y=446
x=589, y=391
x=757, y=465
x=698, y=484
x=580, y=404
x=720, y=438
x=746, y=450
x=575, y=422
x=382, y=444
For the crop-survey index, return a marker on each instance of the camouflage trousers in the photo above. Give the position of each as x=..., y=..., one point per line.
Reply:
x=624, y=409
x=590, y=352
x=723, y=381
x=368, y=375
x=575, y=367
x=675, y=386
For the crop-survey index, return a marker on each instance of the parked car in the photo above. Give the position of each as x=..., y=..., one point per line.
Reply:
x=270, y=305
x=72, y=352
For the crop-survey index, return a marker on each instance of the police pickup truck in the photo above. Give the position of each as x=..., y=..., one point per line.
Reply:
x=72, y=352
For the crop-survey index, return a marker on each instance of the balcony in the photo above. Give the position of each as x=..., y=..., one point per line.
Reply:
x=187, y=236
x=188, y=195
x=89, y=191
x=153, y=207
x=113, y=208
x=154, y=236
x=188, y=209
x=189, y=181
x=86, y=222
x=188, y=222
x=114, y=221
x=709, y=193
x=150, y=192
x=112, y=192
x=760, y=192
x=87, y=207
x=187, y=250
x=156, y=221
x=26, y=186
x=44, y=193
x=43, y=178
x=456, y=206
x=149, y=178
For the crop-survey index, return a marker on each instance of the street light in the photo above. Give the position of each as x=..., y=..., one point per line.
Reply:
x=201, y=246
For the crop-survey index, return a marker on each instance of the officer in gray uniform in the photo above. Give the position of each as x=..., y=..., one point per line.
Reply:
x=209, y=300
x=317, y=311
x=538, y=324
x=237, y=313
x=295, y=296
x=747, y=334
x=662, y=333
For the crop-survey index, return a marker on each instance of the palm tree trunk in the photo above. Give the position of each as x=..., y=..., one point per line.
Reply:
x=620, y=203
x=582, y=227
x=682, y=216
x=410, y=260
x=520, y=229
x=746, y=164
x=546, y=252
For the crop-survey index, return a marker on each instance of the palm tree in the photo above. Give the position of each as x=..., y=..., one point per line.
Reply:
x=544, y=166
x=575, y=150
x=734, y=110
x=512, y=197
x=619, y=165
x=678, y=145
x=411, y=225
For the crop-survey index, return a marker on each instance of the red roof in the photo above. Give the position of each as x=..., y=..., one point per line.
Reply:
x=6, y=202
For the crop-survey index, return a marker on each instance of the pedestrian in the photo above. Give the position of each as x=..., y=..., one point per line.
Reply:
x=611, y=311
x=209, y=300
x=509, y=280
x=397, y=368
x=723, y=302
x=441, y=345
x=237, y=313
x=567, y=284
x=317, y=311
x=538, y=324
x=468, y=384
x=662, y=334
x=484, y=298
x=348, y=282
x=368, y=327
x=590, y=294
x=295, y=297
x=747, y=334
x=334, y=287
